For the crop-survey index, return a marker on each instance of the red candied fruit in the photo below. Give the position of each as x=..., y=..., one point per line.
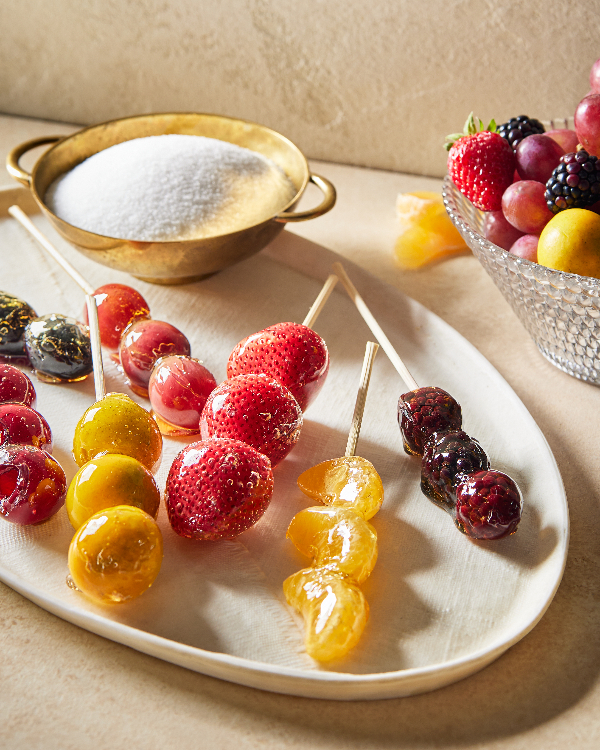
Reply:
x=447, y=459
x=217, y=488
x=15, y=386
x=23, y=425
x=143, y=343
x=33, y=485
x=424, y=411
x=118, y=305
x=488, y=505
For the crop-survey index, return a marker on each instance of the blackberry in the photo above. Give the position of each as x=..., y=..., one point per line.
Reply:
x=488, y=505
x=424, y=411
x=575, y=183
x=447, y=459
x=518, y=128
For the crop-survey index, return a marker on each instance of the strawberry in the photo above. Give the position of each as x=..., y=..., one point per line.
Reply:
x=291, y=353
x=481, y=164
x=217, y=488
x=257, y=410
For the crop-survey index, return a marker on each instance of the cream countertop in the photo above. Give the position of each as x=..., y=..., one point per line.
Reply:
x=66, y=688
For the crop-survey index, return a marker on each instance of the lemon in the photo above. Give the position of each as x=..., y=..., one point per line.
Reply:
x=570, y=242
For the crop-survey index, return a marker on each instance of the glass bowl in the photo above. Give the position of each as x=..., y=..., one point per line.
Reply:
x=561, y=311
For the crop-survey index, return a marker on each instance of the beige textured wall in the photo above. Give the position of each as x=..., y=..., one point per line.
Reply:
x=376, y=84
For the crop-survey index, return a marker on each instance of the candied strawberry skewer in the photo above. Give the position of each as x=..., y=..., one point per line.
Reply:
x=455, y=473
x=340, y=541
x=291, y=353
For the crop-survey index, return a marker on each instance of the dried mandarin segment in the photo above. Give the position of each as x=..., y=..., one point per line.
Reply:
x=116, y=555
x=348, y=482
x=337, y=537
x=426, y=231
x=334, y=608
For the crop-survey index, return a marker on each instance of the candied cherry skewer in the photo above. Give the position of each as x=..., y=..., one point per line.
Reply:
x=340, y=541
x=291, y=353
x=114, y=423
x=455, y=470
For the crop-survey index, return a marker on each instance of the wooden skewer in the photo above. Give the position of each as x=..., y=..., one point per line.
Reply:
x=369, y=319
x=361, y=398
x=90, y=300
x=319, y=303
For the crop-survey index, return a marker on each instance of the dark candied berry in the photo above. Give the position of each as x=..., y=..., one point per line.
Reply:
x=575, y=183
x=447, y=459
x=488, y=505
x=14, y=317
x=518, y=128
x=424, y=411
x=59, y=348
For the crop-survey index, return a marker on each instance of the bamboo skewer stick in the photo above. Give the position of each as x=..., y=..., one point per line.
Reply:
x=319, y=303
x=375, y=328
x=90, y=300
x=361, y=398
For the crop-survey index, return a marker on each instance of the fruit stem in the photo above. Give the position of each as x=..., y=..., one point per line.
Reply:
x=361, y=398
x=322, y=298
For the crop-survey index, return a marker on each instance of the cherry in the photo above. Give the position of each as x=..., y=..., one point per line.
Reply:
x=33, y=485
x=24, y=426
x=178, y=389
x=142, y=344
x=15, y=386
x=118, y=305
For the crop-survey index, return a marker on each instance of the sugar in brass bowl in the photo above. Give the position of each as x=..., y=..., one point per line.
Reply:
x=174, y=262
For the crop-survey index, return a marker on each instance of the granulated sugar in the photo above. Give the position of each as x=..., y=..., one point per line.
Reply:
x=170, y=187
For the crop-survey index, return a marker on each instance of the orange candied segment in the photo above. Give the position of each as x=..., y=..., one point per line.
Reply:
x=335, y=611
x=336, y=537
x=426, y=231
x=347, y=482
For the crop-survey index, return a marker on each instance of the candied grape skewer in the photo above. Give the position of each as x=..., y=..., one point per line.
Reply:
x=340, y=541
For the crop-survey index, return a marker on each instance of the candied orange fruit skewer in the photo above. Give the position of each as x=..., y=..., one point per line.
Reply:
x=340, y=541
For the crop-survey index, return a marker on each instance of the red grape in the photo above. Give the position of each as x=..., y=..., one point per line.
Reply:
x=178, y=389
x=526, y=247
x=566, y=139
x=595, y=77
x=33, y=485
x=15, y=386
x=537, y=157
x=142, y=344
x=524, y=206
x=499, y=231
x=118, y=305
x=587, y=123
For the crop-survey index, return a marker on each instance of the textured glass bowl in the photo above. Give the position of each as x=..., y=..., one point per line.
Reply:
x=561, y=311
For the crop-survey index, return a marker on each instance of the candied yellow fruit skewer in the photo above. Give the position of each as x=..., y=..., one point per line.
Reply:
x=340, y=541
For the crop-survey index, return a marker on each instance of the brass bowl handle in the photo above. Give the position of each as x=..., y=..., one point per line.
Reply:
x=328, y=202
x=12, y=160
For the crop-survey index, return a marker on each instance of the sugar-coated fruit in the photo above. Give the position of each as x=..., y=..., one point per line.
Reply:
x=524, y=206
x=217, y=488
x=423, y=412
x=23, y=425
x=178, y=389
x=256, y=409
x=488, y=505
x=33, y=485
x=498, y=230
x=15, y=315
x=143, y=343
x=116, y=424
x=570, y=242
x=59, y=348
x=116, y=555
x=346, y=482
x=15, y=386
x=292, y=353
x=526, y=247
x=118, y=305
x=107, y=481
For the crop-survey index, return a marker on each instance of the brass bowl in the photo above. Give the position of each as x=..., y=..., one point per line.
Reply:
x=180, y=261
